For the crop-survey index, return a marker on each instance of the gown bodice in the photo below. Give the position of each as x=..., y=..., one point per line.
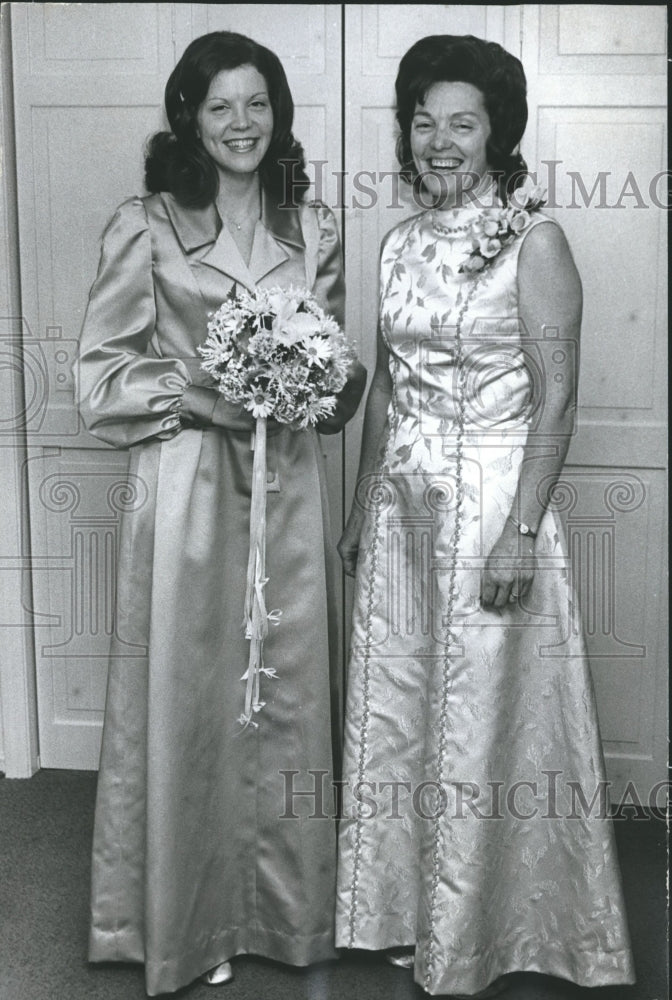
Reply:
x=455, y=339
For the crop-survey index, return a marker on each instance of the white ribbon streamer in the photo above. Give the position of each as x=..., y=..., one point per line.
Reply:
x=255, y=618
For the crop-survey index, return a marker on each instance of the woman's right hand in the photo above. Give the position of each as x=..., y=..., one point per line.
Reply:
x=348, y=546
x=206, y=407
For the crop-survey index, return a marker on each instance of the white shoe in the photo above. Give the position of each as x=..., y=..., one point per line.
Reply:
x=493, y=990
x=222, y=973
x=403, y=958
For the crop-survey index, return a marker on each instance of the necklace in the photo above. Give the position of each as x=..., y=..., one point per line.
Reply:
x=249, y=218
x=448, y=230
x=232, y=223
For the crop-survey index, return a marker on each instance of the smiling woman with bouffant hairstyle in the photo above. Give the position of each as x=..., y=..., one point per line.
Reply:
x=468, y=667
x=177, y=162
x=491, y=69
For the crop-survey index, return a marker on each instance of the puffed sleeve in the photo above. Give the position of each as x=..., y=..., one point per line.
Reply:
x=329, y=286
x=126, y=392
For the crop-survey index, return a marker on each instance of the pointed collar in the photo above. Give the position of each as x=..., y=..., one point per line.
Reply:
x=197, y=227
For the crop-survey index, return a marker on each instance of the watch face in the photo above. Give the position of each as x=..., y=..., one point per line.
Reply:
x=524, y=529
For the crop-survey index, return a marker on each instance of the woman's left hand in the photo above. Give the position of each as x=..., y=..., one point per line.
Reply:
x=509, y=569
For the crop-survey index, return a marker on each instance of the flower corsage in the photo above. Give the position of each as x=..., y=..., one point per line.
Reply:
x=496, y=228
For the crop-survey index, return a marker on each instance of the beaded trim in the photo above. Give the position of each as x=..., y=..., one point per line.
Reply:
x=452, y=596
x=363, y=740
x=378, y=493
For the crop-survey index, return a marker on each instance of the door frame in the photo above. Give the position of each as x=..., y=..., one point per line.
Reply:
x=19, y=756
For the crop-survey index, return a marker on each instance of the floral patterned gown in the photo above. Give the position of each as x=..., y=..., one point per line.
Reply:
x=474, y=822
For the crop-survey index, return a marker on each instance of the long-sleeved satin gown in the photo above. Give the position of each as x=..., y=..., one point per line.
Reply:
x=465, y=728
x=192, y=862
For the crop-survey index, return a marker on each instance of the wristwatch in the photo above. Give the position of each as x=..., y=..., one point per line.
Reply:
x=523, y=529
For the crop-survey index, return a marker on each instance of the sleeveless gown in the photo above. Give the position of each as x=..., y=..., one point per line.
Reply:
x=474, y=819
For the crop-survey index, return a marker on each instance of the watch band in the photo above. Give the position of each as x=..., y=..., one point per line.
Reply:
x=523, y=529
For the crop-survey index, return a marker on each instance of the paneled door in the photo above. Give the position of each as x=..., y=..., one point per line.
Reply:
x=597, y=136
x=596, y=81
x=88, y=87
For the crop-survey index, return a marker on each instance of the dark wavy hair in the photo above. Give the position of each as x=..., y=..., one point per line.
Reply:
x=176, y=161
x=491, y=69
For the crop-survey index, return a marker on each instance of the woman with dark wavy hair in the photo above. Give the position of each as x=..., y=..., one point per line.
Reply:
x=177, y=161
x=500, y=79
x=475, y=841
x=191, y=863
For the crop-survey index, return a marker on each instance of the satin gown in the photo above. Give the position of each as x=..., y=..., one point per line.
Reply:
x=192, y=862
x=470, y=734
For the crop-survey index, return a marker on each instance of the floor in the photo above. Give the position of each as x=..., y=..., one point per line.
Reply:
x=45, y=835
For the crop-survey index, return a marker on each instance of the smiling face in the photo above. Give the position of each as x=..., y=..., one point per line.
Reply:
x=448, y=139
x=235, y=121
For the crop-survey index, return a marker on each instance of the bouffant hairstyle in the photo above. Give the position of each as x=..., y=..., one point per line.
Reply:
x=491, y=69
x=176, y=161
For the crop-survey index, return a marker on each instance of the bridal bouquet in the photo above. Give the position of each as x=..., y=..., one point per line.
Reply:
x=278, y=354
